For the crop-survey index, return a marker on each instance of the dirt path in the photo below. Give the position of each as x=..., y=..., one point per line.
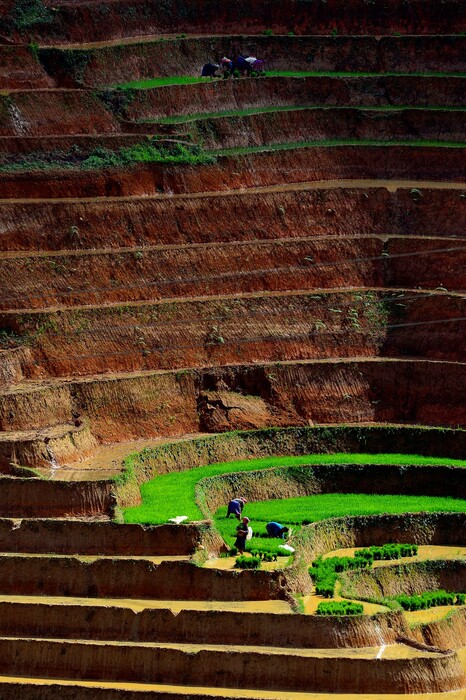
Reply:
x=38, y=384
x=417, y=294
x=72, y=252
x=390, y=185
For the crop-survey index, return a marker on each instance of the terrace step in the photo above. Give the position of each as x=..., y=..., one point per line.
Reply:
x=37, y=498
x=259, y=326
x=213, y=400
x=73, y=23
x=315, y=124
x=91, y=538
x=401, y=669
x=311, y=90
x=133, y=577
x=119, y=62
x=79, y=278
x=46, y=689
x=48, y=111
x=19, y=69
x=371, y=207
x=263, y=127
x=242, y=623
x=262, y=167
x=46, y=447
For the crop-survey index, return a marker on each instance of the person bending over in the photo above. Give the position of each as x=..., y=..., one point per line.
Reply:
x=276, y=530
x=235, y=507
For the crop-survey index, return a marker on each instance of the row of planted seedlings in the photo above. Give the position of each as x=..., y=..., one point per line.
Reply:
x=325, y=573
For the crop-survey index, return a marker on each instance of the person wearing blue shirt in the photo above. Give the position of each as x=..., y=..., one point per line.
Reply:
x=276, y=530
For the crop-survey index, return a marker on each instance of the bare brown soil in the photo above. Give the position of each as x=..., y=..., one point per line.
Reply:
x=48, y=112
x=358, y=671
x=19, y=69
x=94, y=538
x=154, y=301
x=121, y=407
x=32, y=498
x=255, y=328
x=100, y=622
x=134, y=577
x=99, y=277
x=448, y=632
x=260, y=130
x=333, y=209
x=315, y=125
x=40, y=689
x=92, y=20
x=37, y=448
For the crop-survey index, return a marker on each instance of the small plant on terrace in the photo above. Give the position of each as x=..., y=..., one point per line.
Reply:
x=244, y=562
x=268, y=32
x=343, y=607
x=9, y=339
x=214, y=337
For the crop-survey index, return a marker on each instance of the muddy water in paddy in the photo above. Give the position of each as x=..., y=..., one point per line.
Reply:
x=421, y=617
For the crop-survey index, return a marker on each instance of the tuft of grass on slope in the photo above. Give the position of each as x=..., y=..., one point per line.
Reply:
x=173, y=494
x=292, y=512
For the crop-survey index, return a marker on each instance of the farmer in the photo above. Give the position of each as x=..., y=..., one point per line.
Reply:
x=241, y=64
x=235, y=507
x=209, y=70
x=226, y=65
x=241, y=534
x=276, y=530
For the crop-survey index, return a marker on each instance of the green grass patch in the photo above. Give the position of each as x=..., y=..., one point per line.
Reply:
x=148, y=151
x=150, y=83
x=173, y=494
x=294, y=511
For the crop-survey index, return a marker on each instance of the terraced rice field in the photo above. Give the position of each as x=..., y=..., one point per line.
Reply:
x=219, y=287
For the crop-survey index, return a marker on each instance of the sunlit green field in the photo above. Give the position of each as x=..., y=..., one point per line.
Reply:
x=292, y=512
x=173, y=494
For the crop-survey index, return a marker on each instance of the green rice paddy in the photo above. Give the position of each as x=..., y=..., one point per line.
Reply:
x=292, y=512
x=173, y=494
x=150, y=83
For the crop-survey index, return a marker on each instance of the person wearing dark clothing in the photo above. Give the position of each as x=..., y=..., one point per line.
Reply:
x=235, y=507
x=276, y=530
x=209, y=70
x=241, y=535
x=241, y=64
